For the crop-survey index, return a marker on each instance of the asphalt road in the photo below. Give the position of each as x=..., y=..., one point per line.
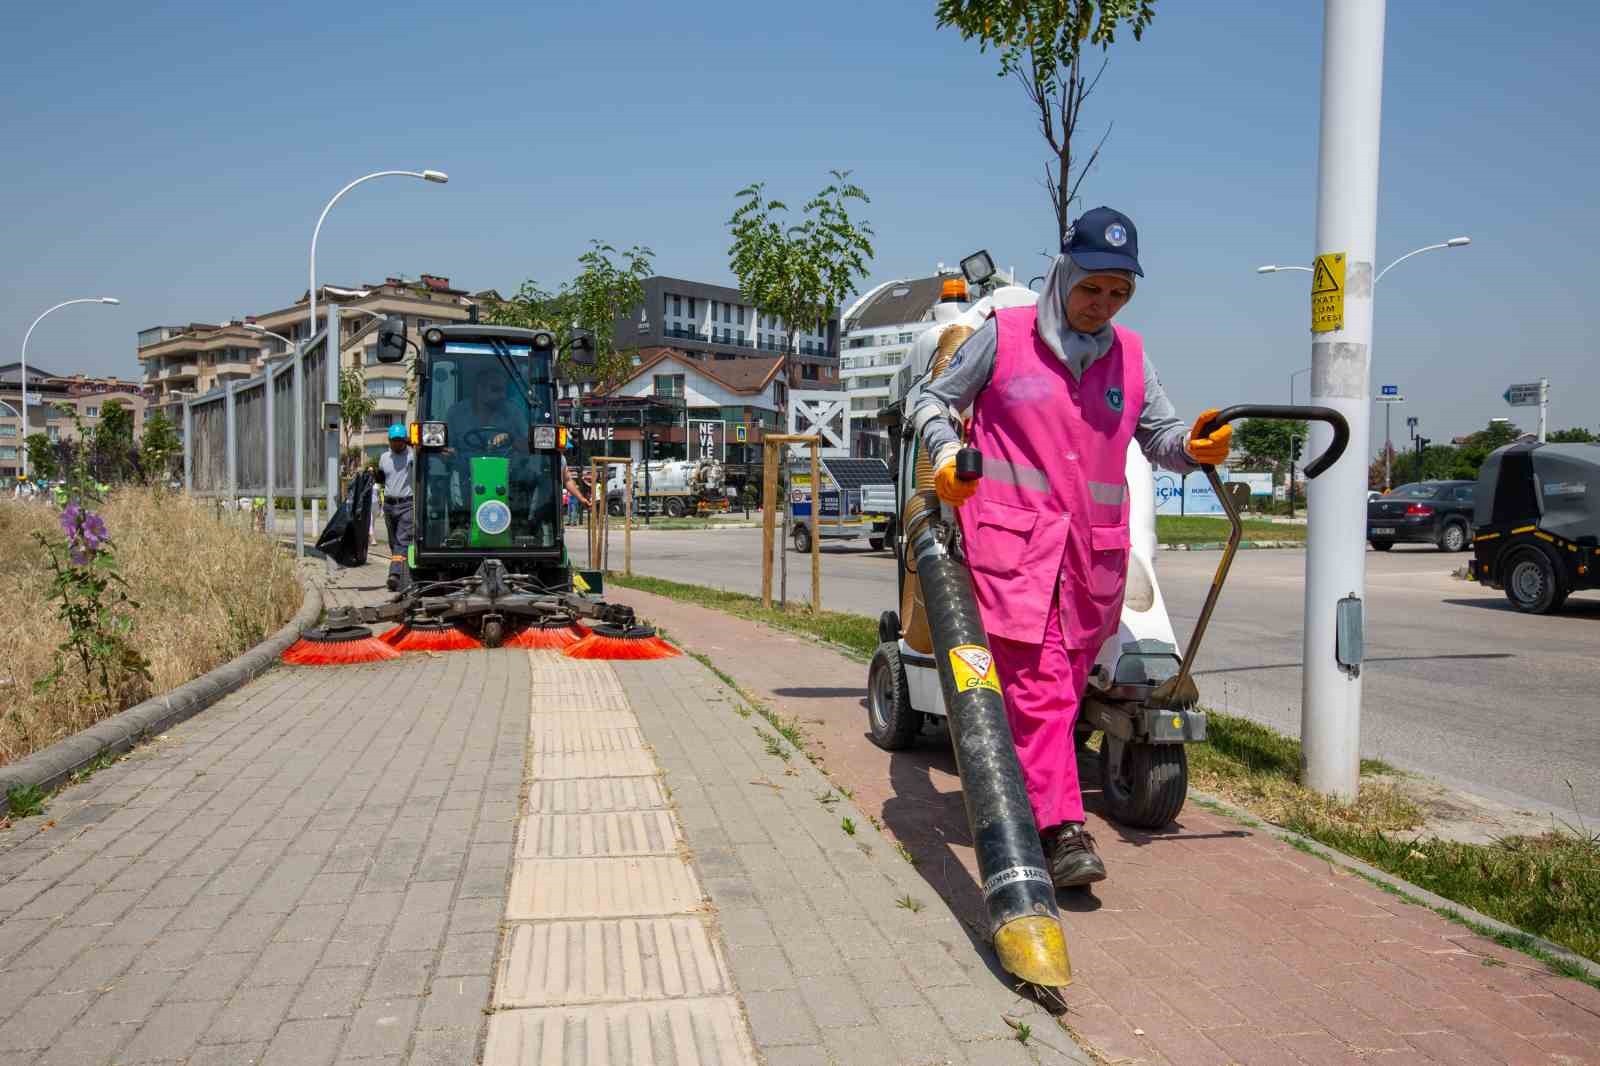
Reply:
x=1457, y=684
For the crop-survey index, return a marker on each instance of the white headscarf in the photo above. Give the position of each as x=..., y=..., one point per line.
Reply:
x=1075, y=350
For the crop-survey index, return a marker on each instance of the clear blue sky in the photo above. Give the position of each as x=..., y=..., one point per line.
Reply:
x=175, y=155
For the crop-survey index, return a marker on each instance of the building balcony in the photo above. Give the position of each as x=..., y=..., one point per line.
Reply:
x=180, y=372
x=230, y=371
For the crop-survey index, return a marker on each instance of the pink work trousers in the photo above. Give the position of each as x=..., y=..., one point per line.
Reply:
x=1042, y=684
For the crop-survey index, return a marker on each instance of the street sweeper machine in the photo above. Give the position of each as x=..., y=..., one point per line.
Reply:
x=934, y=662
x=488, y=564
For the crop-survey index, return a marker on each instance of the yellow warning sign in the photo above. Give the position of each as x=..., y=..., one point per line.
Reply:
x=973, y=667
x=1327, y=293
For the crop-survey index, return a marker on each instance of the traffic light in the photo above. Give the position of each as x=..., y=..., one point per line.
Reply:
x=1294, y=449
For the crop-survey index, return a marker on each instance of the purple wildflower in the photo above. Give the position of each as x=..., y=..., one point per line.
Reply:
x=93, y=531
x=69, y=519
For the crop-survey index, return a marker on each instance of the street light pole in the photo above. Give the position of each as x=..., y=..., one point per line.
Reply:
x=1347, y=223
x=22, y=455
x=437, y=176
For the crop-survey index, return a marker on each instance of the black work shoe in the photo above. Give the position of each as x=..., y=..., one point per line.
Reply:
x=393, y=584
x=1070, y=851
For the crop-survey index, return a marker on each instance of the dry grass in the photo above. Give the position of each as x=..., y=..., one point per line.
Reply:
x=208, y=590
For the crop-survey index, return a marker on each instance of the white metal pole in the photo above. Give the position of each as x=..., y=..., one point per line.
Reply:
x=330, y=407
x=230, y=438
x=1387, y=447
x=1347, y=218
x=299, y=394
x=188, y=448
x=272, y=464
x=1544, y=406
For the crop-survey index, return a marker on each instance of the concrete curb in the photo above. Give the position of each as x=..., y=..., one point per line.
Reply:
x=1218, y=545
x=1421, y=895
x=49, y=767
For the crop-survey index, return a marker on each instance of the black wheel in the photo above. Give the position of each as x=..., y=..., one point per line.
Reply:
x=888, y=627
x=1453, y=537
x=891, y=722
x=802, y=539
x=674, y=507
x=1532, y=583
x=614, y=508
x=493, y=632
x=876, y=543
x=1381, y=545
x=1144, y=784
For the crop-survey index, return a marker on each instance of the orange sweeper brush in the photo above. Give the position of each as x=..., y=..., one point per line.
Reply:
x=607, y=641
x=429, y=635
x=554, y=636
x=337, y=645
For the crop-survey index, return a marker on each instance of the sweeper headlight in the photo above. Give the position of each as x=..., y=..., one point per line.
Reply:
x=543, y=341
x=432, y=434
x=434, y=337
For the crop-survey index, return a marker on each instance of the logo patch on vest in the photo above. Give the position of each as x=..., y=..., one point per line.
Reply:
x=1114, y=399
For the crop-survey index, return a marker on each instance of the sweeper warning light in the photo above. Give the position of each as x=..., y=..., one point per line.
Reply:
x=973, y=667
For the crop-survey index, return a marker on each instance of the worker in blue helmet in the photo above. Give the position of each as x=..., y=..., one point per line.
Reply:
x=394, y=470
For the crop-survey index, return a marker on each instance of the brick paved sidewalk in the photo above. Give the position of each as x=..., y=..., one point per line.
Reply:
x=1210, y=943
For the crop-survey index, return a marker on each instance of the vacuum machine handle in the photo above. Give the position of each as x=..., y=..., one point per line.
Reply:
x=1291, y=413
x=969, y=464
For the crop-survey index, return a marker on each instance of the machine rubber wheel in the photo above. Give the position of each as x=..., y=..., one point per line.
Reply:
x=891, y=722
x=888, y=627
x=876, y=543
x=1532, y=583
x=1144, y=785
x=1381, y=545
x=802, y=539
x=674, y=507
x=493, y=633
x=614, y=508
x=1453, y=537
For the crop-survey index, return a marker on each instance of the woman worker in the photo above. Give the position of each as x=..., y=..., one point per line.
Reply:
x=1056, y=393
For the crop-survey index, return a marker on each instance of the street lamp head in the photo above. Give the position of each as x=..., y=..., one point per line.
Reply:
x=1458, y=242
x=438, y=176
x=1269, y=269
x=109, y=300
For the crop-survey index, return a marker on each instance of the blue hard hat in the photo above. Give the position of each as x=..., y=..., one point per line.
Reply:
x=397, y=432
x=1103, y=239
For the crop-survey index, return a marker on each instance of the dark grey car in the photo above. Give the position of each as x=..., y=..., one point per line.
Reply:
x=1424, y=512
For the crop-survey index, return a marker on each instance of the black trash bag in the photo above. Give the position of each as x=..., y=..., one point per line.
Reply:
x=345, y=538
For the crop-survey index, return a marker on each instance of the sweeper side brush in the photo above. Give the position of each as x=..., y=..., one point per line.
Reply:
x=429, y=635
x=551, y=636
x=1017, y=889
x=336, y=645
x=606, y=641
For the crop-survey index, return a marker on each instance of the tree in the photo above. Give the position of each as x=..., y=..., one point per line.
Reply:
x=1267, y=442
x=604, y=292
x=159, y=449
x=112, y=452
x=1575, y=435
x=1041, y=44
x=799, y=272
x=355, y=406
x=42, y=457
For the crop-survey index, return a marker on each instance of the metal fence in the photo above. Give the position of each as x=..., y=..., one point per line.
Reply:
x=240, y=439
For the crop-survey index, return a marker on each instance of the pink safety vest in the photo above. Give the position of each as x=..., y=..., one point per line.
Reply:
x=1053, y=499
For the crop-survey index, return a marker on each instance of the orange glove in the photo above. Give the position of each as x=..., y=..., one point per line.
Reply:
x=951, y=489
x=1211, y=449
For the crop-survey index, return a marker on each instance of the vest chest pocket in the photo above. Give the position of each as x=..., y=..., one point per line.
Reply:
x=1003, y=534
x=1108, y=561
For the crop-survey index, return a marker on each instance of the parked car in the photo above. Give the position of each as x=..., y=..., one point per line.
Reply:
x=1424, y=512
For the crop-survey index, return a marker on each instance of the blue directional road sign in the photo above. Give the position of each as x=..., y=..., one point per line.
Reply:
x=1391, y=390
x=1525, y=395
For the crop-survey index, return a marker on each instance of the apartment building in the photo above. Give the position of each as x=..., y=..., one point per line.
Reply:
x=182, y=362
x=713, y=323
x=879, y=329
x=48, y=394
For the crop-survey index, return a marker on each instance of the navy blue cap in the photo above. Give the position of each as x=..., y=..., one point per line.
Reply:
x=1103, y=239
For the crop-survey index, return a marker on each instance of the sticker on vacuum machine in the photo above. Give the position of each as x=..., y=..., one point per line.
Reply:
x=973, y=667
x=1014, y=875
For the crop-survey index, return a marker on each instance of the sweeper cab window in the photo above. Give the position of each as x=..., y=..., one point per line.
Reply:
x=488, y=487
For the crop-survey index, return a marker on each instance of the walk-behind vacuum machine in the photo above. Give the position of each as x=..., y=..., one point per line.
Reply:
x=934, y=662
x=488, y=565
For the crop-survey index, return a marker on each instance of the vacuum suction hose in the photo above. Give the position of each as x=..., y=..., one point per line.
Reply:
x=1017, y=890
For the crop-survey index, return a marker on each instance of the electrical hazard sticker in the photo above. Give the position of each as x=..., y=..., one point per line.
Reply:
x=1327, y=293
x=973, y=667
